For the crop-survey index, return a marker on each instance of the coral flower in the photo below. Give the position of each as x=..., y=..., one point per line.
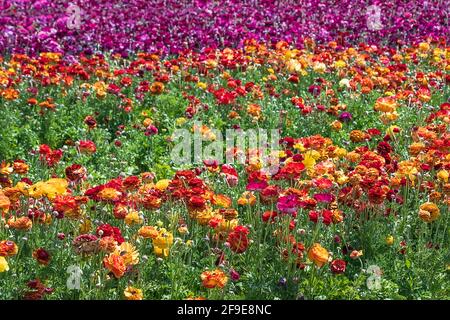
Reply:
x=87, y=147
x=214, y=279
x=429, y=212
x=318, y=255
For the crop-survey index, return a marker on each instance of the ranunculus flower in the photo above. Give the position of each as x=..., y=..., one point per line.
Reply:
x=318, y=255
x=338, y=266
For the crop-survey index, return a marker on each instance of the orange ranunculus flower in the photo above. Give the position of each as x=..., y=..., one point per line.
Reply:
x=6, y=169
x=221, y=200
x=20, y=167
x=128, y=253
x=385, y=104
x=358, y=136
x=107, y=244
x=214, y=279
x=318, y=255
x=429, y=212
x=10, y=94
x=201, y=216
x=8, y=248
x=148, y=232
x=157, y=87
x=133, y=218
x=110, y=194
x=336, y=125
x=5, y=203
x=22, y=223
x=132, y=293
x=247, y=198
x=116, y=264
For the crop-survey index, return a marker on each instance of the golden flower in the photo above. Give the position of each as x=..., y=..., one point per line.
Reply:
x=429, y=212
x=222, y=200
x=132, y=293
x=353, y=156
x=202, y=216
x=3, y=265
x=336, y=125
x=416, y=147
x=162, y=243
x=133, y=218
x=318, y=255
x=22, y=223
x=128, y=253
x=247, y=198
x=442, y=175
x=214, y=279
x=357, y=136
x=388, y=117
x=338, y=216
x=85, y=226
x=389, y=240
x=183, y=229
x=162, y=185
x=6, y=169
x=49, y=189
x=254, y=110
x=424, y=46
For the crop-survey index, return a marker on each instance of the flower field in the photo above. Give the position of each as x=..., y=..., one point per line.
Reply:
x=96, y=202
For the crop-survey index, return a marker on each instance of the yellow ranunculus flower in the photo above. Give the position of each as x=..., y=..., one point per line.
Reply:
x=3, y=265
x=162, y=184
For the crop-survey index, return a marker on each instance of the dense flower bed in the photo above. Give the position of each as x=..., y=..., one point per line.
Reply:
x=358, y=207
x=171, y=25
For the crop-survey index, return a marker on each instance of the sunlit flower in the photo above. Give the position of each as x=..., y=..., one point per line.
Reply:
x=132, y=293
x=429, y=212
x=214, y=279
x=318, y=255
x=3, y=265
